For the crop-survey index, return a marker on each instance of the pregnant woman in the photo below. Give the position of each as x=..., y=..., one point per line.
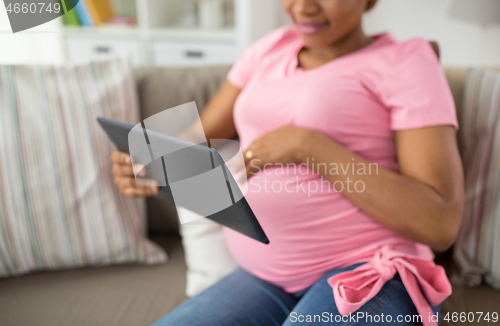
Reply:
x=354, y=174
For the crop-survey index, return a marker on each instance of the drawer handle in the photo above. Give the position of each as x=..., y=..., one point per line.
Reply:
x=102, y=49
x=194, y=54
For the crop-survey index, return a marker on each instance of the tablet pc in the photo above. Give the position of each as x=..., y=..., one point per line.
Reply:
x=237, y=216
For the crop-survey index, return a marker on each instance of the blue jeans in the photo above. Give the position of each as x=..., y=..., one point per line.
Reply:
x=241, y=299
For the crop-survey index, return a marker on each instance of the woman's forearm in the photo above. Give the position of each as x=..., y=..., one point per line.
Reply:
x=217, y=117
x=409, y=207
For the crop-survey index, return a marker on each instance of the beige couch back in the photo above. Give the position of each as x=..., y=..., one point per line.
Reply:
x=164, y=88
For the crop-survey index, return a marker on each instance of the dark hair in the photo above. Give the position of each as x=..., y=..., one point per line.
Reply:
x=371, y=4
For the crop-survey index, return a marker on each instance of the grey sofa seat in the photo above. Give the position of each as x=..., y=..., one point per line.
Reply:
x=127, y=295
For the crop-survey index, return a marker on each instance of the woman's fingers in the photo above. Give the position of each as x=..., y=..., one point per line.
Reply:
x=125, y=177
x=139, y=170
x=144, y=184
x=122, y=165
x=118, y=157
x=253, y=167
x=257, y=157
x=135, y=192
x=129, y=186
x=122, y=170
x=129, y=170
x=250, y=154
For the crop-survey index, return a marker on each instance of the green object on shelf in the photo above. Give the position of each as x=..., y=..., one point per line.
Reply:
x=70, y=18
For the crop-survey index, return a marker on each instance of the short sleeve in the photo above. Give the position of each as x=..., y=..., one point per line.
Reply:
x=416, y=90
x=241, y=72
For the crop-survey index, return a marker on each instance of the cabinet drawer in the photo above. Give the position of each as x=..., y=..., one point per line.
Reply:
x=168, y=53
x=83, y=49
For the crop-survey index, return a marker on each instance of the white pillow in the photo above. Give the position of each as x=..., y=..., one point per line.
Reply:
x=207, y=257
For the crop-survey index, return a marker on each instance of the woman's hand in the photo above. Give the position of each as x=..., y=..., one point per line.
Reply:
x=283, y=146
x=125, y=178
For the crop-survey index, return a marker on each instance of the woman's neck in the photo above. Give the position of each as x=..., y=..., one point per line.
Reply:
x=310, y=58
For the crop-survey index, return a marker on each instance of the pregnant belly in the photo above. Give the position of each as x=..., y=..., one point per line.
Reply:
x=312, y=229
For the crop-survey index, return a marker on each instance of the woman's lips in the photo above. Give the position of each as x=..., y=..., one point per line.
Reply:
x=310, y=28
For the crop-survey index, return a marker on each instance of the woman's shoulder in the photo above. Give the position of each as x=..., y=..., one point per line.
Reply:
x=395, y=50
x=416, y=49
x=270, y=48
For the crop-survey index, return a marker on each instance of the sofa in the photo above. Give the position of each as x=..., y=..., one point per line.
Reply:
x=138, y=295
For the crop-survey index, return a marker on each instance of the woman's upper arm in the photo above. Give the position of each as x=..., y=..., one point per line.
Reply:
x=430, y=155
x=217, y=117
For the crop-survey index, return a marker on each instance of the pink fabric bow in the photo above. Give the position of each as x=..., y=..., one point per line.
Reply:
x=353, y=289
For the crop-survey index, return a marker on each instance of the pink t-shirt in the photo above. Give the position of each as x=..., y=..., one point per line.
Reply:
x=358, y=100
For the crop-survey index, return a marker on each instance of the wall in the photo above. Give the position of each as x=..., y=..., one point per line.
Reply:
x=462, y=43
x=40, y=44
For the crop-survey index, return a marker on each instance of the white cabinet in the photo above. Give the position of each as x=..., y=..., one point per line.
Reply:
x=85, y=48
x=163, y=37
x=176, y=53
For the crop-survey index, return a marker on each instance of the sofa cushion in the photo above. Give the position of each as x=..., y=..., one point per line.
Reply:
x=125, y=295
x=207, y=256
x=59, y=207
x=478, y=242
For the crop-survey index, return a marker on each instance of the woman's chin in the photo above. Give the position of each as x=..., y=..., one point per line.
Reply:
x=317, y=40
x=310, y=42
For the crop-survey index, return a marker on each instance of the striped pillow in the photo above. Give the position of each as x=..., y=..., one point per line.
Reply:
x=477, y=250
x=59, y=207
